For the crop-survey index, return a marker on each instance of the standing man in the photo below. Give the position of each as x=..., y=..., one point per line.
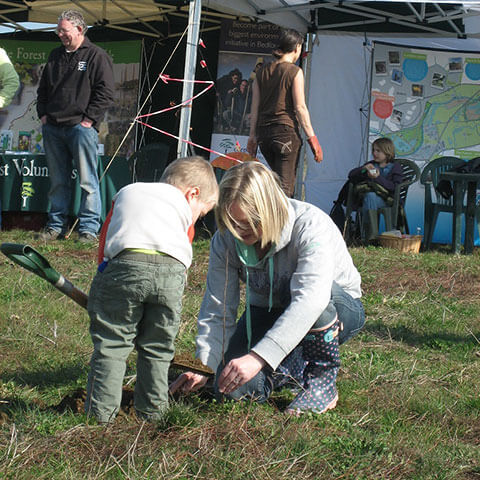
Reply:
x=9, y=84
x=75, y=90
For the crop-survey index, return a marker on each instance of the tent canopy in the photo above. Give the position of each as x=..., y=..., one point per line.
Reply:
x=143, y=16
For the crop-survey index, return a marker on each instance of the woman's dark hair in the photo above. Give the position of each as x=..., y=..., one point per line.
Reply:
x=288, y=41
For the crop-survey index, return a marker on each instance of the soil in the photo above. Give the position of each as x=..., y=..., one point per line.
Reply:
x=76, y=402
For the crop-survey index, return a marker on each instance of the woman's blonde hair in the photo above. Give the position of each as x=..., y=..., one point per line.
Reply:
x=192, y=171
x=257, y=192
x=386, y=146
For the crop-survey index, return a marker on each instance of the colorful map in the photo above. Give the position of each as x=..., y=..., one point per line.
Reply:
x=426, y=101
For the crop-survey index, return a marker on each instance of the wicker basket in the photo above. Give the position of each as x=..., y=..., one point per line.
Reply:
x=409, y=243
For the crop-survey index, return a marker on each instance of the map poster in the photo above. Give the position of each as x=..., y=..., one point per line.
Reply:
x=19, y=123
x=428, y=103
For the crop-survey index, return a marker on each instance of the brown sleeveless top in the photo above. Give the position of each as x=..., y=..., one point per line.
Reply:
x=275, y=81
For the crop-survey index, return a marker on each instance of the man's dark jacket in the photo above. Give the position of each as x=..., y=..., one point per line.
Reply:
x=76, y=85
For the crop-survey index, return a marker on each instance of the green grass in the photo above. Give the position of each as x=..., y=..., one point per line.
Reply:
x=409, y=404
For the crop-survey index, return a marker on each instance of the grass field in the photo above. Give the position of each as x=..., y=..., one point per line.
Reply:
x=409, y=385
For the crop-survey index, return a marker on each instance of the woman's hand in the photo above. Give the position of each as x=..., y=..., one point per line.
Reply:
x=316, y=148
x=239, y=371
x=188, y=382
x=252, y=146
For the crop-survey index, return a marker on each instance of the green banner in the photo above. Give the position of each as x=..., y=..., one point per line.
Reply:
x=24, y=51
x=25, y=181
x=123, y=52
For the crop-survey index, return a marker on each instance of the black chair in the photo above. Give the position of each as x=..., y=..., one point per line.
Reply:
x=393, y=215
x=148, y=163
x=435, y=202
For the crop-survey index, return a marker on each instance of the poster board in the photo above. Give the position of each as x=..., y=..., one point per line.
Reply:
x=244, y=46
x=20, y=127
x=427, y=101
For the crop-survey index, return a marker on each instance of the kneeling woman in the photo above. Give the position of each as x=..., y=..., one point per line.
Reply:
x=302, y=295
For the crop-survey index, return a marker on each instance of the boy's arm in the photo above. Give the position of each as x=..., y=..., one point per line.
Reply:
x=103, y=236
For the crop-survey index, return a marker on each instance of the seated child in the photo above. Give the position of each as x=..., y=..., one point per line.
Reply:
x=136, y=296
x=384, y=171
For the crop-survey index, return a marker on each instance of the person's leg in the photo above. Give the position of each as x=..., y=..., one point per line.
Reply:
x=115, y=308
x=280, y=145
x=350, y=313
x=370, y=204
x=343, y=318
x=259, y=387
x=59, y=162
x=156, y=336
x=320, y=350
x=83, y=143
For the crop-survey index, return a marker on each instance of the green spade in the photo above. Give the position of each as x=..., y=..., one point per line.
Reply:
x=27, y=257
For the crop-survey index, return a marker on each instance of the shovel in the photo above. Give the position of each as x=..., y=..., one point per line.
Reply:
x=27, y=257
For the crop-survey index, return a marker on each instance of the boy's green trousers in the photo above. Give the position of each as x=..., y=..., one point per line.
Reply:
x=134, y=303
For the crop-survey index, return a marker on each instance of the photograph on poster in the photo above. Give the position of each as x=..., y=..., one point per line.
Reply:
x=236, y=72
x=397, y=76
x=381, y=68
x=394, y=57
x=417, y=90
x=438, y=80
x=455, y=64
x=397, y=116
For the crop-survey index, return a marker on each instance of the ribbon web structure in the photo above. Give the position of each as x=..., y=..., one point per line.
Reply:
x=165, y=79
x=138, y=119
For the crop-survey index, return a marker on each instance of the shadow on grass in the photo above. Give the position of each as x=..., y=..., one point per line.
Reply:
x=434, y=340
x=46, y=378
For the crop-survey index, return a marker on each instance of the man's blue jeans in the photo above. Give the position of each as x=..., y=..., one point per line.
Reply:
x=67, y=148
x=350, y=313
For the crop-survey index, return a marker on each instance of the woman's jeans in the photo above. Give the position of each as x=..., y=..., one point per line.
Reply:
x=280, y=145
x=350, y=314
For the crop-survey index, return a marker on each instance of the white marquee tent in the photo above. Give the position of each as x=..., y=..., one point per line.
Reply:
x=337, y=71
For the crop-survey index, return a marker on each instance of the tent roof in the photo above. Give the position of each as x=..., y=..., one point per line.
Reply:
x=441, y=18
x=140, y=16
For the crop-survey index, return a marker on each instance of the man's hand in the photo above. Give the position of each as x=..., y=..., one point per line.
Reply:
x=86, y=123
x=43, y=119
x=239, y=371
x=188, y=382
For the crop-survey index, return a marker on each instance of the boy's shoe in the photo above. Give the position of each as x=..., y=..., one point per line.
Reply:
x=48, y=234
x=86, y=237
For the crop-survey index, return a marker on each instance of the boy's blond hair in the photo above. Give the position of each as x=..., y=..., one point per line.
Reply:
x=386, y=146
x=187, y=172
x=257, y=192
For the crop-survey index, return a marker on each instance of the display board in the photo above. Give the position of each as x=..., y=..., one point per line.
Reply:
x=244, y=47
x=427, y=102
x=20, y=128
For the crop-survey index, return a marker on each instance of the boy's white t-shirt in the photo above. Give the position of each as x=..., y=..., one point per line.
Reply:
x=151, y=216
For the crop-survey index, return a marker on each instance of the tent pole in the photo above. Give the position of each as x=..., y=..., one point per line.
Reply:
x=303, y=160
x=194, y=15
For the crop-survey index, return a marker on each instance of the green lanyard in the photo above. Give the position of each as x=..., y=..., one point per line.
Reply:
x=248, y=256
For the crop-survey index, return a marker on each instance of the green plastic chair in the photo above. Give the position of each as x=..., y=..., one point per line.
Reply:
x=411, y=174
x=434, y=201
x=148, y=163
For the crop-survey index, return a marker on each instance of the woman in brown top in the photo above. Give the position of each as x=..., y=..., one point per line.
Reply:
x=278, y=108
